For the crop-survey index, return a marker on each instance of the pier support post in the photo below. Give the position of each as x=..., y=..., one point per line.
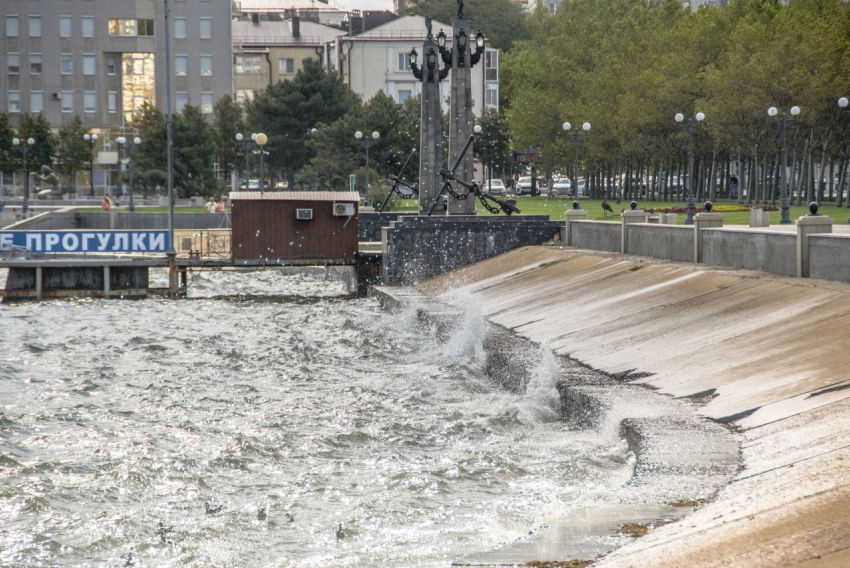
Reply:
x=702, y=221
x=39, y=282
x=106, y=283
x=630, y=216
x=574, y=214
x=809, y=225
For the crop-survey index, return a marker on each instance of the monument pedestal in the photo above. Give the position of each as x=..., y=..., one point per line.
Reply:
x=806, y=226
x=704, y=221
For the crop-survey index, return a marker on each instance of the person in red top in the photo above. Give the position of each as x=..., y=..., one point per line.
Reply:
x=106, y=203
x=219, y=205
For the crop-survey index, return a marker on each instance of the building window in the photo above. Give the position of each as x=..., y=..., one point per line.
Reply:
x=404, y=62
x=111, y=64
x=35, y=64
x=13, y=63
x=249, y=65
x=67, y=98
x=66, y=63
x=206, y=28
x=181, y=100
x=181, y=65
x=206, y=103
x=286, y=66
x=89, y=102
x=89, y=65
x=88, y=26
x=206, y=66
x=131, y=28
x=553, y=7
x=65, y=26
x=35, y=26
x=244, y=96
x=491, y=95
x=403, y=95
x=491, y=65
x=180, y=28
x=14, y=101
x=12, y=26
x=112, y=101
x=36, y=102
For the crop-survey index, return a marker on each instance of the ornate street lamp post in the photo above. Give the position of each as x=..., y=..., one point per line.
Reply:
x=24, y=150
x=91, y=139
x=577, y=135
x=366, y=144
x=782, y=122
x=131, y=148
x=844, y=106
x=261, y=140
x=247, y=144
x=691, y=128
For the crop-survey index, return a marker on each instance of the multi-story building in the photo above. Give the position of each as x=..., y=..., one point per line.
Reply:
x=379, y=60
x=267, y=51
x=101, y=59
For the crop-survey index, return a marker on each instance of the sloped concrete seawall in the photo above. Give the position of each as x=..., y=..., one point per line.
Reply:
x=766, y=354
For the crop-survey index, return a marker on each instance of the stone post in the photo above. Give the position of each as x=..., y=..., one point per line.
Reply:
x=460, y=115
x=574, y=214
x=630, y=216
x=809, y=225
x=431, y=133
x=706, y=220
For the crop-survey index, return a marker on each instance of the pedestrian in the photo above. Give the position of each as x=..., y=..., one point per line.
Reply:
x=210, y=206
x=550, y=187
x=106, y=203
x=219, y=205
x=733, y=187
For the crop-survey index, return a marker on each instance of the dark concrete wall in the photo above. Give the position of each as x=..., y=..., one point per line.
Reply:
x=79, y=278
x=369, y=224
x=421, y=247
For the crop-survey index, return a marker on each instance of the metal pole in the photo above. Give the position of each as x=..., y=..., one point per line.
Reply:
x=368, y=193
x=26, y=206
x=131, y=150
x=575, y=182
x=247, y=156
x=91, y=168
x=689, y=220
x=784, y=200
x=262, y=172
x=169, y=128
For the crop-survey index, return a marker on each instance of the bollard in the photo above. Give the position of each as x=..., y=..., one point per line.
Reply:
x=811, y=224
x=706, y=220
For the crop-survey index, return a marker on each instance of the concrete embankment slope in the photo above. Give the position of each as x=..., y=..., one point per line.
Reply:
x=767, y=353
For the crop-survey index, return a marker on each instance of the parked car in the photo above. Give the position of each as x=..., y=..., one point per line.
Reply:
x=562, y=186
x=495, y=186
x=523, y=185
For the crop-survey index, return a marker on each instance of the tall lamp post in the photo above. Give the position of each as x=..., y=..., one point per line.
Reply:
x=261, y=140
x=577, y=135
x=247, y=144
x=366, y=144
x=844, y=106
x=782, y=122
x=691, y=128
x=131, y=148
x=91, y=139
x=24, y=150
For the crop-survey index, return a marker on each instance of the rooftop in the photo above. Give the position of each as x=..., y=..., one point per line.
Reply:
x=346, y=196
x=407, y=27
x=267, y=32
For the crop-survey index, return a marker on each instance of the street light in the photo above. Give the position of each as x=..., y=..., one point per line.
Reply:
x=261, y=140
x=366, y=144
x=783, y=122
x=691, y=128
x=247, y=143
x=24, y=150
x=91, y=139
x=131, y=148
x=577, y=135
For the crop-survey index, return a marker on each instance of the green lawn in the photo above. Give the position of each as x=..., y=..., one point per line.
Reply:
x=556, y=207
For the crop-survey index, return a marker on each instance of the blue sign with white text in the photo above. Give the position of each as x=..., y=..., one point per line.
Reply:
x=85, y=241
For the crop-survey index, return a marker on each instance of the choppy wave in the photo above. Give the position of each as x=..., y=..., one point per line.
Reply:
x=268, y=391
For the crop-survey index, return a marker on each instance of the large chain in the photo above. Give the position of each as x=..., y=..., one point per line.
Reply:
x=456, y=195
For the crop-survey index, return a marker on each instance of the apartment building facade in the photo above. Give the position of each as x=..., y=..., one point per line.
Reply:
x=102, y=59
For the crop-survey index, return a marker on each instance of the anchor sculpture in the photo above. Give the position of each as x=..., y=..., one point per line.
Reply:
x=508, y=206
x=398, y=181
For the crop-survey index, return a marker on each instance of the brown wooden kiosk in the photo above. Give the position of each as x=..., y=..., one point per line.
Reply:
x=317, y=227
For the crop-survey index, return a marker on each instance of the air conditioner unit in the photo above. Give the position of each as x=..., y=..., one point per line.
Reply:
x=343, y=209
x=304, y=214
x=55, y=96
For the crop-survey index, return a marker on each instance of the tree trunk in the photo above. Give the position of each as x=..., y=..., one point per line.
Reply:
x=831, y=179
x=739, y=169
x=712, y=178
